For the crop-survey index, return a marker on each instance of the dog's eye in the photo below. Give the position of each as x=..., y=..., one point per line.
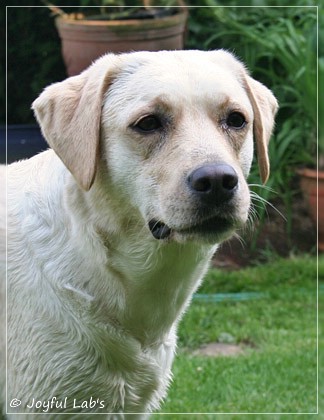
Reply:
x=235, y=120
x=148, y=124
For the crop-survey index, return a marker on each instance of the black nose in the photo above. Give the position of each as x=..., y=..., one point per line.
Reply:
x=214, y=183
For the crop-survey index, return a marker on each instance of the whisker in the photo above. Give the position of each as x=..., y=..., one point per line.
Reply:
x=252, y=218
x=258, y=198
x=240, y=239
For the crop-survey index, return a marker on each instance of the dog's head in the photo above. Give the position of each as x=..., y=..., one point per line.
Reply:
x=175, y=131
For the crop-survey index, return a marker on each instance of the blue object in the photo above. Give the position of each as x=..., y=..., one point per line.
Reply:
x=23, y=141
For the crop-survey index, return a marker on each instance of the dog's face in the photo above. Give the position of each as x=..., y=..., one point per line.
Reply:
x=177, y=133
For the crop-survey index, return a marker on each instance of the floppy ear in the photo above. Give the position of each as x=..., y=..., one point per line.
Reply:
x=69, y=114
x=264, y=106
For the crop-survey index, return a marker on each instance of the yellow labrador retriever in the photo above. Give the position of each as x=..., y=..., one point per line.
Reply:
x=111, y=230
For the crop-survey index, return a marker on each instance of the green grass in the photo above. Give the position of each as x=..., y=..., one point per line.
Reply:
x=278, y=371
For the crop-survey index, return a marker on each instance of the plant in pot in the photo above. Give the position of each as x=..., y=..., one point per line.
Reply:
x=312, y=178
x=110, y=26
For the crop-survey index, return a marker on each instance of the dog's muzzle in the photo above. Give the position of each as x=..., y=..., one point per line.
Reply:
x=212, y=186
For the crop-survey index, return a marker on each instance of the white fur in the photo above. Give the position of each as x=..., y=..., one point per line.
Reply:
x=94, y=299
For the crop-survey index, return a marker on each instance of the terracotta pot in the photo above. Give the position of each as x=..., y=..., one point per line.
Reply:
x=312, y=184
x=85, y=40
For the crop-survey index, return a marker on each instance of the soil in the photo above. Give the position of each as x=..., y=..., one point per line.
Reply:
x=219, y=349
x=272, y=239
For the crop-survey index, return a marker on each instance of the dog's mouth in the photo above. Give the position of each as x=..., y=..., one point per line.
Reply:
x=216, y=225
x=159, y=229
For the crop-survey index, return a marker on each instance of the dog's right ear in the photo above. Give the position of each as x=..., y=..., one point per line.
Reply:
x=69, y=114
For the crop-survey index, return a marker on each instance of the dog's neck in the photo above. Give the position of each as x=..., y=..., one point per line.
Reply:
x=159, y=281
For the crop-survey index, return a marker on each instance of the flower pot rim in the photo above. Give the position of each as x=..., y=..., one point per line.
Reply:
x=181, y=15
x=311, y=173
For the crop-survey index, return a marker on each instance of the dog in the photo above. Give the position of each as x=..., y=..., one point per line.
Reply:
x=111, y=230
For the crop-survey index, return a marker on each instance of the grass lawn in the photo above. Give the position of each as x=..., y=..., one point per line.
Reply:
x=277, y=330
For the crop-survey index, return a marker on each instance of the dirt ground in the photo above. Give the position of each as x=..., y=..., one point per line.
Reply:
x=272, y=239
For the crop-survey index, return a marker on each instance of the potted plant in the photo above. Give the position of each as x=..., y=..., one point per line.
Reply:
x=110, y=26
x=312, y=179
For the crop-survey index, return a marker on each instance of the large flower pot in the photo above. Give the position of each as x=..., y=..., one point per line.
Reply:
x=85, y=40
x=312, y=184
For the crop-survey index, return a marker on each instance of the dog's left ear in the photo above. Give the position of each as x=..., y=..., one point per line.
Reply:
x=69, y=114
x=264, y=106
